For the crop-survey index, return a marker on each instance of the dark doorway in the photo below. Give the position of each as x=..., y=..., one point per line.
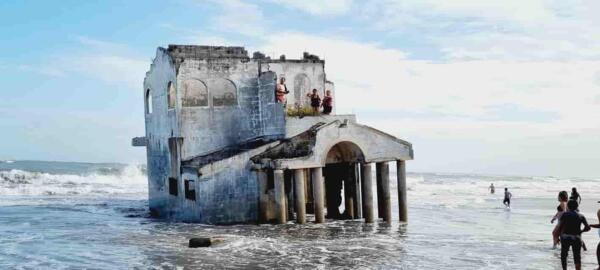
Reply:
x=334, y=174
x=342, y=186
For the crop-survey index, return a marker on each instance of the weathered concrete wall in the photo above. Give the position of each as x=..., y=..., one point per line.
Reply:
x=160, y=125
x=301, y=77
x=226, y=192
x=254, y=113
x=271, y=114
x=208, y=128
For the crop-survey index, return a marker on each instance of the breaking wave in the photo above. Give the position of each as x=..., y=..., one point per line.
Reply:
x=130, y=179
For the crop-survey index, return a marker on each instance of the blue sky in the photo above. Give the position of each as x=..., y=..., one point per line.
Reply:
x=501, y=87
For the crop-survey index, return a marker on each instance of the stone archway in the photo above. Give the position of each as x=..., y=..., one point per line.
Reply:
x=341, y=180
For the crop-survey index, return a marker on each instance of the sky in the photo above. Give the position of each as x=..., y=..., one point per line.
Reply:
x=477, y=86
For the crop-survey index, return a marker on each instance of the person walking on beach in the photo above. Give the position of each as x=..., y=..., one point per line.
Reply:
x=575, y=195
x=563, y=197
x=570, y=236
x=492, y=189
x=507, y=197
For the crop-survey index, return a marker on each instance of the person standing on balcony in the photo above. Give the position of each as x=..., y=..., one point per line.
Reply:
x=281, y=91
x=327, y=102
x=315, y=101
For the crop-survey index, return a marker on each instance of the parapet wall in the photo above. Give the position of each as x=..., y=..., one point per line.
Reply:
x=206, y=52
x=297, y=125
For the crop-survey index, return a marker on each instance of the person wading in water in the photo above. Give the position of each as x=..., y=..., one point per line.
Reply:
x=507, y=197
x=575, y=196
x=563, y=197
x=570, y=234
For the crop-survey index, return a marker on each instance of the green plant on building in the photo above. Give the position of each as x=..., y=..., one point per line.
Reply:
x=299, y=111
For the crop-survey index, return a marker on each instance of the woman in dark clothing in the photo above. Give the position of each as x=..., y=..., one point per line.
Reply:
x=327, y=102
x=315, y=101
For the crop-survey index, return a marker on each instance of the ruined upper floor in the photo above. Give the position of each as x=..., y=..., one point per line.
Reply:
x=215, y=96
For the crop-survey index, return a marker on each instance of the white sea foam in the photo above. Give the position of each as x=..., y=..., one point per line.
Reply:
x=130, y=180
x=458, y=190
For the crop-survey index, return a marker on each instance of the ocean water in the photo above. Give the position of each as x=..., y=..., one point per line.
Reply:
x=94, y=216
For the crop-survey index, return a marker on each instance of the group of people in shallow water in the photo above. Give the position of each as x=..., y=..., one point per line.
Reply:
x=315, y=99
x=568, y=229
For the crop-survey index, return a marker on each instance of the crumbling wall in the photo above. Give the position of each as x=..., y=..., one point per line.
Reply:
x=160, y=125
x=226, y=191
x=301, y=77
x=208, y=128
x=271, y=114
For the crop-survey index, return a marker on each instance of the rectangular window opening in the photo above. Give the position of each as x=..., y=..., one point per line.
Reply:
x=173, y=186
x=270, y=180
x=190, y=190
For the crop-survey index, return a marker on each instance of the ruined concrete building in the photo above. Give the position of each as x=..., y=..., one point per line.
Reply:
x=222, y=150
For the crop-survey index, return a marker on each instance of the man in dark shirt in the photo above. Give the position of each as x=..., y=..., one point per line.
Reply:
x=575, y=196
x=507, y=197
x=570, y=228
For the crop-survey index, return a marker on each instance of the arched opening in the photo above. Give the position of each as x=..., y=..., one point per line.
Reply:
x=224, y=92
x=195, y=93
x=342, y=180
x=344, y=152
x=171, y=95
x=148, y=101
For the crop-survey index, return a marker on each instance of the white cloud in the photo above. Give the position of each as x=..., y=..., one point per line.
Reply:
x=517, y=81
x=239, y=17
x=377, y=78
x=318, y=7
x=110, y=62
x=482, y=111
x=471, y=29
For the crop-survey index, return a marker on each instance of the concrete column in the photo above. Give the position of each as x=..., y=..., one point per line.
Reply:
x=367, y=192
x=289, y=200
x=299, y=192
x=318, y=194
x=402, y=205
x=263, y=198
x=378, y=186
x=383, y=182
x=280, y=206
x=355, y=170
